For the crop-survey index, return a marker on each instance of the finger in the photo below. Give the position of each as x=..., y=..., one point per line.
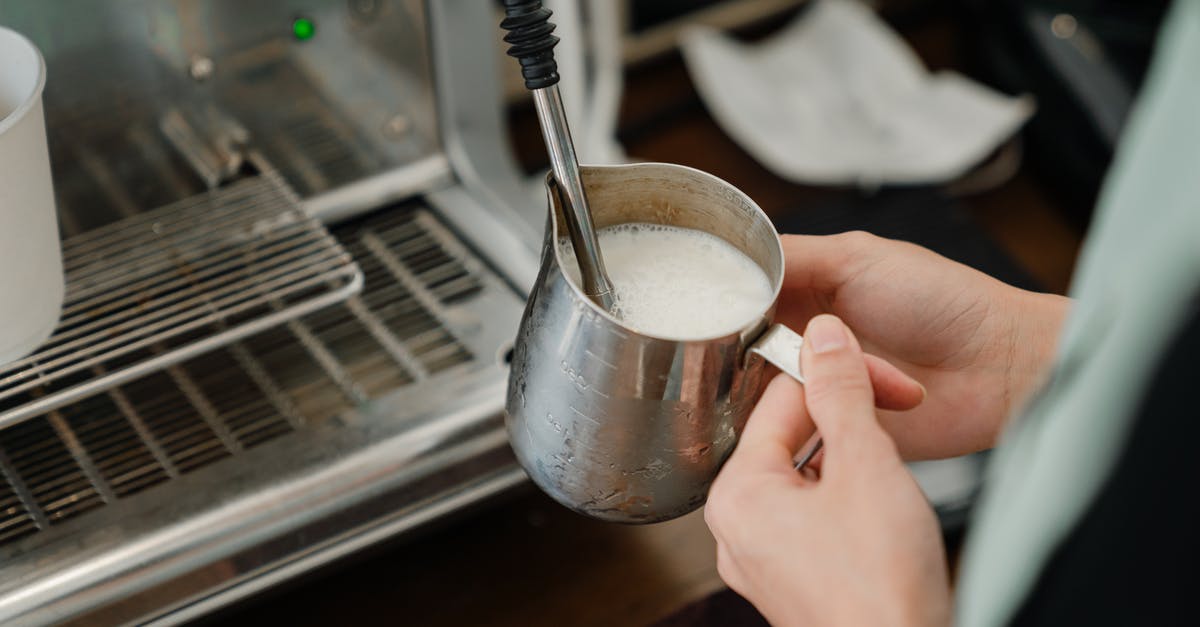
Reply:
x=819, y=262
x=838, y=390
x=893, y=388
x=778, y=426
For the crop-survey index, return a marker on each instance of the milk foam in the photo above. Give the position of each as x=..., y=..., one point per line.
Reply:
x=678, y=283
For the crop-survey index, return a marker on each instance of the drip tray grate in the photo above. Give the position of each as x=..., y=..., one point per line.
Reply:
x=413, y=321
x=158, y=288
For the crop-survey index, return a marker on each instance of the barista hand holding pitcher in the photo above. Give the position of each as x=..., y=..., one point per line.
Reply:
x=863, y=545
x=626, y=419
x=1087, y=515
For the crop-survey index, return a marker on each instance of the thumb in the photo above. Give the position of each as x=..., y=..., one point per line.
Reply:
x=838, y=392
x=775, y=430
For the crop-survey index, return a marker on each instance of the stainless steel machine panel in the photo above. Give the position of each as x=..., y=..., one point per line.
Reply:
x=184, y=484
x=148, y=102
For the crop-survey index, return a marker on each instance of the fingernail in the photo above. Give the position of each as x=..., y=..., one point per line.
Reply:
x=826, y=334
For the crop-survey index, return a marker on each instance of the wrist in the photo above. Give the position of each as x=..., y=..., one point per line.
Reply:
x=1035, y=322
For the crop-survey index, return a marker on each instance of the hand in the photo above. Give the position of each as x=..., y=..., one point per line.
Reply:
x=857, y=546
x=978, y=345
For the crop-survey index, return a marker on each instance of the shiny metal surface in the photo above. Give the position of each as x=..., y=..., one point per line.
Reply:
x=578, y=216
x=205, y=482
x=810, y=450
x=619, y=425
x=152, y=290
x=780, y=346
x=149, y=102
x=491, y=472
x=192, y=486
x=473, y=126
x=287, y=502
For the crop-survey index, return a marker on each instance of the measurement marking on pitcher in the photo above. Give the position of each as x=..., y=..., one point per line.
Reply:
x=598, y=358
x=584, y=416
x=574, y=375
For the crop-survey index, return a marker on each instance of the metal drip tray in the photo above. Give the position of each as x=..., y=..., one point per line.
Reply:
x=157, y=288
x=278, y=450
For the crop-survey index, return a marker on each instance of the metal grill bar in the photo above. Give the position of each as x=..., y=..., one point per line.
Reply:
x=449, y=243
x=401, y=273
x=212, y=273
x=203, y=408
x=188, y=441
x=131, y=233
x=147, y=437
x=113, y=446
x=54, y=480
x=328, y=362
x=181, y=280
x=21, y=491
x=117, y=441
x=258, y=373
x=237, y=227
x=435, y=256
x=67, y=436
x=387, y=339
x=227, y=299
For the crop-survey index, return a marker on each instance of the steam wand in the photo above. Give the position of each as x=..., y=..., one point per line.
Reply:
x=530, y=34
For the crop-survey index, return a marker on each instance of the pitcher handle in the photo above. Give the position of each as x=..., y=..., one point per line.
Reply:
x=781, y=346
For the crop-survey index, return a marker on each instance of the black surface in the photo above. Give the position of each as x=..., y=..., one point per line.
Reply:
x=921, y=216
x=531, y=35
x=720, y=609
x=1066, y=147
x=1132, y=558
x=646, y=14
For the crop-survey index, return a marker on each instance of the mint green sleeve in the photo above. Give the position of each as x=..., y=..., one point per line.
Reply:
x=1139, y=268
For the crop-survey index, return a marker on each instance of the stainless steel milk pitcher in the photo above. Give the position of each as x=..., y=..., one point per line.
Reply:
x=619, y=425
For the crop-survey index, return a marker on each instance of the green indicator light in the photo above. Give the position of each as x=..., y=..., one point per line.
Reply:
x=303, y=28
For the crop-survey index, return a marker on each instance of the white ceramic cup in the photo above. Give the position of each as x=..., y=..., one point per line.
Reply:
x=31, y=276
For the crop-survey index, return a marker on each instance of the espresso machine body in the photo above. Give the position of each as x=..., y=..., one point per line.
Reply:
x=161, y=483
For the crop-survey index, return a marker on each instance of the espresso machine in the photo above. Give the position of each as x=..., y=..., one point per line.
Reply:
x=296, y=251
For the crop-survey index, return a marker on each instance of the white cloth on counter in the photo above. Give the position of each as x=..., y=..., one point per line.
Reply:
x=838, y=98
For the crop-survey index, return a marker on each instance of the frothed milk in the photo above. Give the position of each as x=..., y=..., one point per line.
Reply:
x=678, y=283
